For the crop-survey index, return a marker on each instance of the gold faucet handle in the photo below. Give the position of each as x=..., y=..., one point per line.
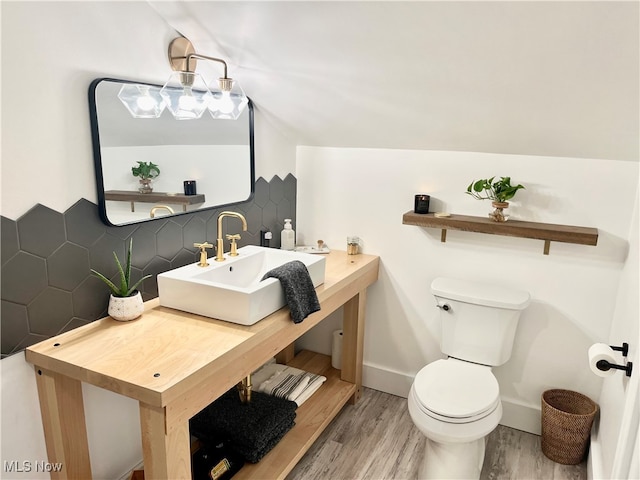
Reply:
x=234, y=246
x=203, y=253
x=203, y=246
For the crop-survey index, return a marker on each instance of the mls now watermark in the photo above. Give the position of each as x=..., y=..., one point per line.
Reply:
x=27, y=466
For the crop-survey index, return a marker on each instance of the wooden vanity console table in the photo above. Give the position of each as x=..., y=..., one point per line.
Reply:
x=175, y=364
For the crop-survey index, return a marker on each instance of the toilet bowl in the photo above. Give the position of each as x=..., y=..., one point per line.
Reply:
x=455, y=402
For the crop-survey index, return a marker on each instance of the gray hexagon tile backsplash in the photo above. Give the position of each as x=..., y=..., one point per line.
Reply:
x=46, y=284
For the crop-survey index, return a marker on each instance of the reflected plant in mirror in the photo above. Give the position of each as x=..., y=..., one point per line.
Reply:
x=145, y=171
x=218, y=154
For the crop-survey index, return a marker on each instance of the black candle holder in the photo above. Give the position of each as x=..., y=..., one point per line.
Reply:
x=190, y=187
x=421, y=203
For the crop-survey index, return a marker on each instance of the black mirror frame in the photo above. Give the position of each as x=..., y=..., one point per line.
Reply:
x=97, y=156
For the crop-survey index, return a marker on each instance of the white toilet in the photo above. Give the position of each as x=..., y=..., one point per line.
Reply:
x=455, y=402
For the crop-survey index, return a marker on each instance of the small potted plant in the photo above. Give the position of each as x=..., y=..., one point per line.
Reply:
x=498, y=191
x=145, y=171
x=125, y=302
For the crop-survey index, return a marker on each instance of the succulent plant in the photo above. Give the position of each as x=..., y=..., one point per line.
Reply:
x=125, y=289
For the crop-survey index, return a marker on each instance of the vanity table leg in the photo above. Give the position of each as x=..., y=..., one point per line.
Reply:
x=166, y=449
x=353, y=342
x=287, y=354
x=65, y=431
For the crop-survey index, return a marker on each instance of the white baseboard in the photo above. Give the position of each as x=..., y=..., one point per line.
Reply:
x=521, y=416
x=515, y=415
x=385, y=380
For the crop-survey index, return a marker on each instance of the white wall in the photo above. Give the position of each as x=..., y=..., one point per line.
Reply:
x=365, y=192
x=52, y=51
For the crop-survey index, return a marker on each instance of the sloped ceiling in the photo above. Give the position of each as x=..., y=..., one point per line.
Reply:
x=539, y=78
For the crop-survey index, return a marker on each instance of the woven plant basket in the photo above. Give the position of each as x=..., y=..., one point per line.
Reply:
x=566, y=425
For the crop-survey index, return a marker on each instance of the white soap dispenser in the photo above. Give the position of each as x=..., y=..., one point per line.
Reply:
x=287, y=236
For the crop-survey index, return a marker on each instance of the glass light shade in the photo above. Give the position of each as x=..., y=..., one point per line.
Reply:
x=186, y=95
x=142, y=101
x=227, y=104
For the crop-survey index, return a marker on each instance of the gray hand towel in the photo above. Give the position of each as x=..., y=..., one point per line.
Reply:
x=298, y=289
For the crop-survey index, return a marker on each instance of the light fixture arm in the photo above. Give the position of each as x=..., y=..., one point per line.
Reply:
x=225, y=101
x=204, y=57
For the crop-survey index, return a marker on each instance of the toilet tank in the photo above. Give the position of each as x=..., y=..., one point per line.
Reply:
x=478, y=320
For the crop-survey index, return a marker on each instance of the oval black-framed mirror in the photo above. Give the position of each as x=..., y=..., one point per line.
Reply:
x=204, y=163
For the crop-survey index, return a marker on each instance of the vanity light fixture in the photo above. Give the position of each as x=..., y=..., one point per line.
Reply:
x=142, y=101
x=186, y=94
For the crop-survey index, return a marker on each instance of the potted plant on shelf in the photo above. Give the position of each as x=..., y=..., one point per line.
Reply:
x=125, y=302
x=498, y=191
x=145, y=171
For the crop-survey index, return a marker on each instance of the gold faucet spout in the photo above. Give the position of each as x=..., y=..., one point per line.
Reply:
x=152, y=214
x=219, y=240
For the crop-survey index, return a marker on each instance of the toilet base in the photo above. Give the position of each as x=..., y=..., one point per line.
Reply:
x=452, y=460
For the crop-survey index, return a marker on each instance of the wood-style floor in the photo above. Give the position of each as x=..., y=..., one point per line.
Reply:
x=377, y=440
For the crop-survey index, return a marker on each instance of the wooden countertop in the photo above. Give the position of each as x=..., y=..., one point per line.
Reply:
x=166, y=354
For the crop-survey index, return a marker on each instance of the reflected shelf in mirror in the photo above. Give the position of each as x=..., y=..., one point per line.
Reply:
x=153, y=197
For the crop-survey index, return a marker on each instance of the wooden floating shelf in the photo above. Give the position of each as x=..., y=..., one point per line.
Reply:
x=512, y=228
x=153, y=197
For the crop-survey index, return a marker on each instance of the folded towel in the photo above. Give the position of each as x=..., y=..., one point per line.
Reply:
x=265, y=372
x=254, y=455
x=285, y=385
x=285, y=381
x=298, y=289
x=310, y=390
x=251, y=429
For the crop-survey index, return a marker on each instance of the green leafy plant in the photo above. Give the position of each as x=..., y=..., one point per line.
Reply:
x=497, y=191
x=125, y=289
x=145, y=170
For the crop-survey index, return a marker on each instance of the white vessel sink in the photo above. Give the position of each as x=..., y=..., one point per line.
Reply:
x=232, y=290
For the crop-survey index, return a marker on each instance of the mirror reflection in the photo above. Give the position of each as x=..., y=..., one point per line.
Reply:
x=152, y=167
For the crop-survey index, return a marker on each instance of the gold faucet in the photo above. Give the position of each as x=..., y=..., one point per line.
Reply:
x=219, y=240
x=160, y=207
x=233, y=252
x=203, y=253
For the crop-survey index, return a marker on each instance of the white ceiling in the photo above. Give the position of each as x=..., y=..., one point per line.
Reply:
x=539, y=78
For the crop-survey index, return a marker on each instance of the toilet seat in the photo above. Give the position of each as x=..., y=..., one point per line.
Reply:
x=454, y=391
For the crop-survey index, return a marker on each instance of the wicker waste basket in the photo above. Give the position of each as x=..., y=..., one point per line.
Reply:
x=566, y=425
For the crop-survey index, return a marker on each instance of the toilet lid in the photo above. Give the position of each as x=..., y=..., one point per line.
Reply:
x=457, y=389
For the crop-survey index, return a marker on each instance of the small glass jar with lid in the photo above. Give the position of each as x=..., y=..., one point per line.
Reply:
x=353, y=245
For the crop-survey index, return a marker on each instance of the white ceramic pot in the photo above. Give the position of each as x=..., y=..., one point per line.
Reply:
x=125, y=308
